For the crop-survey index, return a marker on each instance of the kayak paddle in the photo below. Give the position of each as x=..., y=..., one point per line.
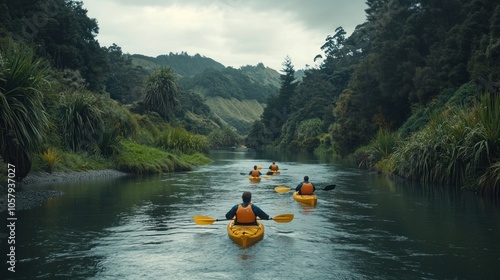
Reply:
x=284, y=189
x=205, y=220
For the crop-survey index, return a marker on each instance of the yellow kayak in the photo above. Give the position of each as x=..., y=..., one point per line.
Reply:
x=254, y=179
x=273, y=172
x=245, y=235
x=309, y=199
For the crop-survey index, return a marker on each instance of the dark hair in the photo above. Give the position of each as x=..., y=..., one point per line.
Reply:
x=255, y=167
x=306, y=178
x=246, y=196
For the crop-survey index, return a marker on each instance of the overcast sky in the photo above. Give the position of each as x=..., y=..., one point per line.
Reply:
x=233, y=32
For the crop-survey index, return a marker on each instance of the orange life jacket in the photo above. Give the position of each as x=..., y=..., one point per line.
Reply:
x=274, y=167
x=245, y=215
x=255, y=173
x=307, y=188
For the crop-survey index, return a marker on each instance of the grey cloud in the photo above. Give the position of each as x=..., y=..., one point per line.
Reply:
x=316, y=14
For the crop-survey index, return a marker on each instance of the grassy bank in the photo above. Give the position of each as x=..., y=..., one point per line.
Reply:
x=458, y=147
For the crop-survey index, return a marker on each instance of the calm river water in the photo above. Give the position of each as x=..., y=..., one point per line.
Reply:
x=368, y=227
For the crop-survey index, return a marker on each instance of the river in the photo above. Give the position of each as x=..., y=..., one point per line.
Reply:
x=368, y=227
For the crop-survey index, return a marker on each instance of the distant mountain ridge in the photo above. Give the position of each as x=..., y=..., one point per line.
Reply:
x=183, y=64
x=236, y=97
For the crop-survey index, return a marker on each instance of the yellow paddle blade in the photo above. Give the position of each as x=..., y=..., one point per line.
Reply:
x=259, y=167
x=282, y=189
x=267, y=177
x=203, y=220
x=283, y=218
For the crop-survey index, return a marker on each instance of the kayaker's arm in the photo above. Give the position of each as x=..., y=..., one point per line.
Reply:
x=232, y=212
x=261, y=214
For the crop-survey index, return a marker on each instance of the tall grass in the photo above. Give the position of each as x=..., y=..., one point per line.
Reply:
x=378, y=152
x=180, y=140
x=383, y=144
x=51, y=158
x=140, y=159
x=457, y=148
x=24, y=121
x=81, y=120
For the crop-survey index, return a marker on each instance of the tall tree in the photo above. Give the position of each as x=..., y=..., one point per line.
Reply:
x=124, y=80
x=278, y=107
x=62, y=32
x=161, y=89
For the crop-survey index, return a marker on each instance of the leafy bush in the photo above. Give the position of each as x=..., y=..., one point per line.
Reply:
x=50, y=157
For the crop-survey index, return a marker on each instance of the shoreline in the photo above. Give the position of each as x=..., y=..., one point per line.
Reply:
x=28, y=199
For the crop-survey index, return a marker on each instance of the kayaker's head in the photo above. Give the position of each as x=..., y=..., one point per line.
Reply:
x=255, y=167
x=247, y=197
x=306, y=178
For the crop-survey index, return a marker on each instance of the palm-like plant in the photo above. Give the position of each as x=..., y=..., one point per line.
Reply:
x=160, y=92
x=81, y=120
x=23, y=119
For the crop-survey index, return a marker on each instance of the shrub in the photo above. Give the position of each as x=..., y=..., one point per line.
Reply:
x=50, y=157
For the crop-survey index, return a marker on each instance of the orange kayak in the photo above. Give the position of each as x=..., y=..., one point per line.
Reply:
x=245, y=235
x=254, y=179
x=308, y=199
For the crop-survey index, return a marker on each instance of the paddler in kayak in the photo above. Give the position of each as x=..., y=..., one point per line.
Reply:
x=246, y=213
x=305, y=187
x=255, y=172
x=274, y=167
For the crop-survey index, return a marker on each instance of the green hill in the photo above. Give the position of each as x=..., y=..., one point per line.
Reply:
x=182, y=64
x=235, y=97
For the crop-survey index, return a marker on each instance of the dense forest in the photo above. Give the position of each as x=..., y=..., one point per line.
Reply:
x=413, y=91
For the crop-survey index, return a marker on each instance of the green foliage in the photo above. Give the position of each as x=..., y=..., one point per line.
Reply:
x=180, y=140
x=196, y=159
x=257, y=137
x=228, y=83
x=139, y=159
x=377, y=154
x=51, y=158
x=235, y=113
x=161, y=89
x=456, y=148
x=69, y=161
x=183, y=63
x=23, y=120
x=61, y=32
x=489, y=181
x=124, y=80
x=223, y=138
x=310, y=128
x=150, y=129
x=386, y=166
x=383, y=145
x=81, y=120
x=464, y=96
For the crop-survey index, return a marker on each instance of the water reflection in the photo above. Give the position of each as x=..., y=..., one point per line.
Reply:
x=369, y=227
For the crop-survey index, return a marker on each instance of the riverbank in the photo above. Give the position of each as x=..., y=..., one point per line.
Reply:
x=27, y=198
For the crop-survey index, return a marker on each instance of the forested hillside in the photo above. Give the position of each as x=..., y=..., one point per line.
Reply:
x=235, y=97
x=183, y=64
x=406, y=92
